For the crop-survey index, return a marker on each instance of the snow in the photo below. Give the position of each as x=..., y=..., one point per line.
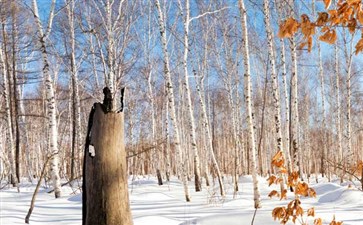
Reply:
x=152, y=204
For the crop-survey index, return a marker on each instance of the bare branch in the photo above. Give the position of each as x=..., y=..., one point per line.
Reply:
x=208, y=13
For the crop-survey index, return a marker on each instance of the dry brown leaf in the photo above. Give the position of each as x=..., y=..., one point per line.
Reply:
x=310, y=43
x=352, y=24
x=277, y=156
x=288, y=28
x=311, y=212
x=307, y=28
x=359, y=46
x=283, y=194
x=312, y=192
x=279, y=213
x=353, y=2
x=334, y=17
x=343, y=8
x=278, y=160
x=302, y=189
x=318, y=221
x=273, y=193
x=329, y=37
x=322, y=18
x=327, y=3
x=283, y=169
x=294, y=217
x=299, y=211
x=333, y=222
x=359, y=16
x=271, y=180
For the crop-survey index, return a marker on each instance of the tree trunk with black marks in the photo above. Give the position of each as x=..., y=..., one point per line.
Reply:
x=248, y=101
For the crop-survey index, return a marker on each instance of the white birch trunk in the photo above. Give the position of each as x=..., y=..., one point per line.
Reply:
x=248, y=101
x=191, y=123
x=286, y=94
x=294, y=104
x=207, y=129
x=167, y=136
x=171, y=99
x=51, y=106
x=275, y=88
x=76, y=109
x=348, y=113
x=110, y=52
x=325, y=154
x=349, y=60
x=338, y=107
x=9, y=130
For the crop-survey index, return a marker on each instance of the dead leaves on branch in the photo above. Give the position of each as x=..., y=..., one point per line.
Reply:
x=359, y=46
x=293, y=211
x=330, y=36
x=288, y=28
x=348, y=14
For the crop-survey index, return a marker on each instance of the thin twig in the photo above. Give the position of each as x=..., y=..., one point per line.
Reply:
x=64, y=184
x=254, y=215
x=36, y=190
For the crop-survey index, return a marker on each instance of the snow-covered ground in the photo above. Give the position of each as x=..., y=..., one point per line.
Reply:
x=164, y=205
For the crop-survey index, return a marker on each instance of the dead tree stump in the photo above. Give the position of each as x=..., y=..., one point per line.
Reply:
x=105, y=192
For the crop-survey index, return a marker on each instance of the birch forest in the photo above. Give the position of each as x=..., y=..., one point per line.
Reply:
x=214, y=90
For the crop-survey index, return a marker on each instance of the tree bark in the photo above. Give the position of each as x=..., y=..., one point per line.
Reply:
x=50, y=95
x=76, y=110
x=275, y=88
x=9, y=130
x=182, y=170
x=105, y=194
x=248, y=102
x=294, y=107
x=338, y=107
x=191, y=122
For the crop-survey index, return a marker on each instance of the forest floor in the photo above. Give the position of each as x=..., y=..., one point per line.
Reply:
x=164, y=205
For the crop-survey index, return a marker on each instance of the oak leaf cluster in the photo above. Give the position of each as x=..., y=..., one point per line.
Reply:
x=347, y=14
x=293, y=211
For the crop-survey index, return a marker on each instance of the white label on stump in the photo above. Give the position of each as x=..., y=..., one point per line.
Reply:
x=91, y=150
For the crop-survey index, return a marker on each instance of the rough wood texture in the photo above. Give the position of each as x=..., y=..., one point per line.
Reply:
x=107, y=200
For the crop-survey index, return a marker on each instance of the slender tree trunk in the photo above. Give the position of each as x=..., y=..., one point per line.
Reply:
x=76, y=109
x=275, y=89
x=14, y=92
x=207, y=129
x=9, y=130
x=167, y=136
x=294, y=104
x=286, y=93
x=191, y=123
x=348, y=113
x=110, y=52
x=248, y=101
x=338, y=107
x=51, y=106
x=170, y=90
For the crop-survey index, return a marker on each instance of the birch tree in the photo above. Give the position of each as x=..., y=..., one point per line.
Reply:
x=76, y=109
x=275, y=88
x=348, y=53
x=280, y=6
x=248, y=102
x=170, y=92
x=294, y=107
x=9, y=130
x=338, y=107
x=43, y=36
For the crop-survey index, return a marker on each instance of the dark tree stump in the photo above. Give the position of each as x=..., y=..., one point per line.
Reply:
x=105, y=194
